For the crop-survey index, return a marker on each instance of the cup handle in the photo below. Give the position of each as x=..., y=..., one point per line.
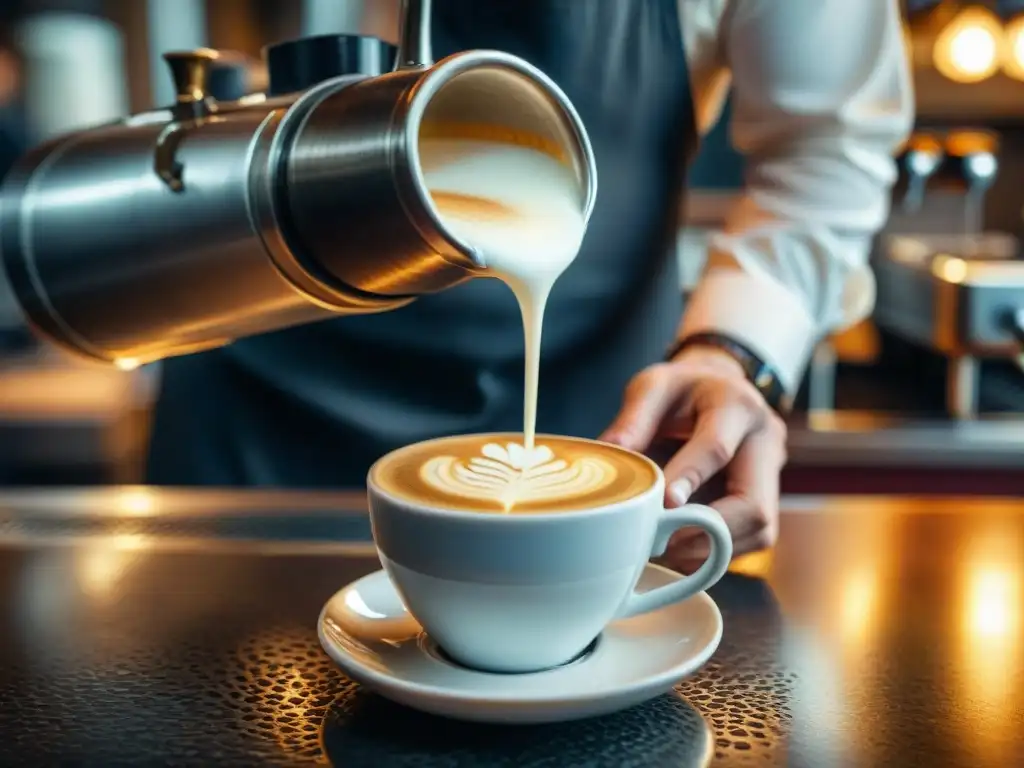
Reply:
x=691, y=515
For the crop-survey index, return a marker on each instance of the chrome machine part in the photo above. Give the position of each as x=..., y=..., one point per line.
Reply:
x=920, y=161
x=952, y=292
x=358, y=165
x=185, y=228
x=957, y=296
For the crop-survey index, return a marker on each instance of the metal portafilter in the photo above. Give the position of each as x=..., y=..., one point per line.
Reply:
x=184, y=228
x=920, y=160
x=973, y=157
x=976, y=152
x=964, y=162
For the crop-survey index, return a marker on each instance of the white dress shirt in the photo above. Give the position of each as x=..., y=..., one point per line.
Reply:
x=822, y=99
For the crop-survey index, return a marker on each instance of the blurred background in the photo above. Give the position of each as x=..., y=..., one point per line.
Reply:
x=934, y=382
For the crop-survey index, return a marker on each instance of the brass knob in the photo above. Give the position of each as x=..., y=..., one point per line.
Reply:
x=191, y=73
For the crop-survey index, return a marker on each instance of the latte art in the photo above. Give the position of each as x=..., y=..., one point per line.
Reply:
x=495, y=474
x=508, y=474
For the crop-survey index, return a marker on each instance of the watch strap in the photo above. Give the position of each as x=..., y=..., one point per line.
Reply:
x=759, y=373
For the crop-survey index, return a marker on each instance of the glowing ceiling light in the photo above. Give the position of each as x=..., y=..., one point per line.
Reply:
x=970, y=48
x=1013, y=61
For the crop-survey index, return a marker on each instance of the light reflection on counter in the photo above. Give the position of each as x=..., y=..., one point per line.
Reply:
x=838, y=624
x=136, y=501
x=101, y=566
x=993, y=604
x=861, y=604
x=990, y=657
x=267, y=660
x=859, y=609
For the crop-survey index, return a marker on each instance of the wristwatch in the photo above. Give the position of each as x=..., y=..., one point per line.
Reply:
x=758, y=372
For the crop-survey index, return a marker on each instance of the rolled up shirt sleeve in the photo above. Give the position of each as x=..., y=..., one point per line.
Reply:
x=821, y=100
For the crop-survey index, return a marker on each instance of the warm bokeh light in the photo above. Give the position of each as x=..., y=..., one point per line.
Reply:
x=137, y=502
x=756, y=564
x=950, y=268
x=973, y=143
x=1013, y=64
x=970, y=48
x=993, y=604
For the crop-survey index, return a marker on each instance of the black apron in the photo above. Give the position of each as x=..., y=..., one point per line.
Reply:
x=314, y=406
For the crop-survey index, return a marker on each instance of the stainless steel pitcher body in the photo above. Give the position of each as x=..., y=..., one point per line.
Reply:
x=185, y=228
x=108, y=261
x=357, y=150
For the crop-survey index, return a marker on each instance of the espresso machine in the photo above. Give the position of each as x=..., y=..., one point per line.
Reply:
x=186, y=227
x=944, y=283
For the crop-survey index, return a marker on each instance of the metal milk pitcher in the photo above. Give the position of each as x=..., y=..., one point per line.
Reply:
x=183, y=228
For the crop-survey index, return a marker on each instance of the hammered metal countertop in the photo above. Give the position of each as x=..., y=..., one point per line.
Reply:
x=143, y=627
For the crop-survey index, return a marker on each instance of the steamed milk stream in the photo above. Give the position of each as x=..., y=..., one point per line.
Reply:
x=520, y=208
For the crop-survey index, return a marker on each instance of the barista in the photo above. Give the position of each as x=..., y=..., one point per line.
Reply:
x=822, y=98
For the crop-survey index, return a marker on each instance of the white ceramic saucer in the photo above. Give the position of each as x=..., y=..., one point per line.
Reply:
x=366, y=630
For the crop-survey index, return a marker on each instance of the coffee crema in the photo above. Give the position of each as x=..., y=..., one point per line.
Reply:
x=496, y=474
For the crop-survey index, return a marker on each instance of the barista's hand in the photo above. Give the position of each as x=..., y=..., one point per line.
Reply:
x=703, y=398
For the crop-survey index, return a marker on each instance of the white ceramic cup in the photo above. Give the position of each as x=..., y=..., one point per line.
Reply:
x=522, y=593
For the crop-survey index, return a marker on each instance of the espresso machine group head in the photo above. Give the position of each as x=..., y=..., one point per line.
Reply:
x=184, y=228
x=952, y=287
x=965, y=162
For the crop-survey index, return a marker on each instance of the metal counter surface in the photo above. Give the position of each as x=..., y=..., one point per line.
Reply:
x=143, y=627
x=866, y=439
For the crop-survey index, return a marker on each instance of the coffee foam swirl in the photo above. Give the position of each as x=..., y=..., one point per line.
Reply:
x=492, y=473
x=508, y=475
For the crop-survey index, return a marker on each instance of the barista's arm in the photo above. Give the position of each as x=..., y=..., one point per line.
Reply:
x=822, y=98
